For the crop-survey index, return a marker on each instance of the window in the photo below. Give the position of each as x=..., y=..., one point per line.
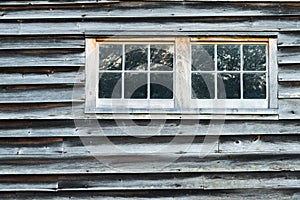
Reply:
x=175, y=74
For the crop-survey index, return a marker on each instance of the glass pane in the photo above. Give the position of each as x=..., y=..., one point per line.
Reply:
x=254, y=57
x=161, y=57
x=135, y=85
x=229, y=86
x=203, y=86
x=203, y=57
x=110, y=57
x=110, y=85
x=161, y=86
x=136, y=57
x=254, y=86
x=229, y=58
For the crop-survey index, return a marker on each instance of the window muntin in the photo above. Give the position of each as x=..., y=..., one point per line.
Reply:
x=235, y=71
x=136, y=74
x=197, y=77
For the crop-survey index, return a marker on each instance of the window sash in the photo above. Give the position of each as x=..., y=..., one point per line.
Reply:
x=182, y=99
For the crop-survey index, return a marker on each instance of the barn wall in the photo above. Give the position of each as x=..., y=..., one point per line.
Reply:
x=42, y=56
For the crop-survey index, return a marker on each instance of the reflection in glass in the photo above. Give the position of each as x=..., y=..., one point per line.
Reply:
x=254, y=57
x=229, y=58
x=161, y=57
x=136, y=57
x=254, y=86
x=229, y=82
x=161, y=85
x=135, y=85
x=203, y=57
x=110, y=85
x=203, y=86
x=110, y=57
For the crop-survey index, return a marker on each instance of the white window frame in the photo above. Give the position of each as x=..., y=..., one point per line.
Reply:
x=182, y=101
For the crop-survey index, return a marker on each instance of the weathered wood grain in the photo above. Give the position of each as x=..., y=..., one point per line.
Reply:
x=149, y=182
x=76, y=111
x=132, y=182
x=41, y=111
x=290, y=91
x=40, y=94
x=36, y=43
x=28, y=183
x=180, y=181
x=42, y=78
x=259, y=144
x=107, y=27
x=251, y=180
x=287, y=39
x=210, y=145
x=40, y=147
x=145, y=163
x=66, y=128
x=31, y=58
x=251, y=194
x=289, y=55
x=23, y=146
x=289, y=75
x=47, y=2
x=289, y=109
x=132, y=145
x=152, y=10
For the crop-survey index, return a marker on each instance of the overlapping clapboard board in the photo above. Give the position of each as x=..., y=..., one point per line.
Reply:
x=42, y=57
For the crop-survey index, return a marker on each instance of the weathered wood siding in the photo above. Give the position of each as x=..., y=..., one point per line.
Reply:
x=42, y=56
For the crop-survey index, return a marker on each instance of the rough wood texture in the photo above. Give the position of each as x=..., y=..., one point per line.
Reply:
x=43, y=153
x=133, y=9
x=36, y=43
x=66, y=128
x=289, y=39
x=291, y=75
x=251, y=194
x=40, y=59
x=289, y=55
x=40, y=94
x=42, y=78
x=290, y=91
x=161, y=194
x=57, y=2
x=289, y=109
x=147, y=163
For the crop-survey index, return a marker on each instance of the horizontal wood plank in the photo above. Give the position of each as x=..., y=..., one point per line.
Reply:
x=142, y=128
x=210, y=145
x=28, y=183
x=80, y=164
x=251, y=180
x=76, y=111
x=31, y=59
x=180, y=181
x=289, y=109
x=26, y=43
x=259, y=144
x=289, y=75
x=38, y=94
x=289, y=55
x=194, y=181
x=105, y=27
x=289, y=39
x=46, y=2
x=289, y=91
x=41, y=79
x=251, y=194
x=23, y=146
x=152, y=10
